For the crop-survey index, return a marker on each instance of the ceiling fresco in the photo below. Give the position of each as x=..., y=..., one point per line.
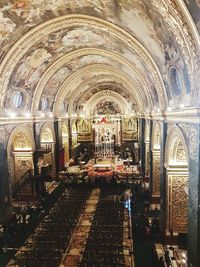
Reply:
x=194, y=9
x=106, y=107
x=141, y=41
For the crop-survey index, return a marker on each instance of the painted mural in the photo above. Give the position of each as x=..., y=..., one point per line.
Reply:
x=194, y=9
x=19, y=16
x=106, y=107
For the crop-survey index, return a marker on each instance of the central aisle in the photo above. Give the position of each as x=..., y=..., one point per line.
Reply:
x=102, y=237
x=74, y=252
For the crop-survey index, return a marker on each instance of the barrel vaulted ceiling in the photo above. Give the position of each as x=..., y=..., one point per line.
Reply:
x=60, y=55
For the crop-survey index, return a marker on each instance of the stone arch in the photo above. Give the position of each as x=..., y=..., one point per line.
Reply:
x=156, y=139
x=20, y=149
x=47, y=142
x=176, y=163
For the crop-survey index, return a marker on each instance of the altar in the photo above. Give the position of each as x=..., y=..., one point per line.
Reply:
x=107, y=135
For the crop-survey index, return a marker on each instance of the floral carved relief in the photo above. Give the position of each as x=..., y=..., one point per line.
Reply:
x=177, y=203
x=156, y=173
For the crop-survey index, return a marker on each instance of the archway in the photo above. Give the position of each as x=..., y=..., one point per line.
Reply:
x=20, y=153
x=156, y=138
x=177, y=182
x=46, y=164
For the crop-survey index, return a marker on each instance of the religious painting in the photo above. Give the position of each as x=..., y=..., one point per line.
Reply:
x=129, y=129
x=107, y=107
x=194, y=9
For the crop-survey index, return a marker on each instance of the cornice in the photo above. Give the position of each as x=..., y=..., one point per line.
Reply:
x=186, y=115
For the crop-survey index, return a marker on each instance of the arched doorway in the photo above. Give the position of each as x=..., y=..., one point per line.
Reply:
x=156, y=139
x=177, y=182
x=47, y=143
x=20, y=154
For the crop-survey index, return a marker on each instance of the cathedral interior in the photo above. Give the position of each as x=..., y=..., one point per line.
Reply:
x=99, y=133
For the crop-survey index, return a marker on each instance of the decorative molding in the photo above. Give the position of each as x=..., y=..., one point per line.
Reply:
x=177, y=204
x=156, y=173
x=179, y=26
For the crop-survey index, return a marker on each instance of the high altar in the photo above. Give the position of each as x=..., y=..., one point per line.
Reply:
x=107, y=135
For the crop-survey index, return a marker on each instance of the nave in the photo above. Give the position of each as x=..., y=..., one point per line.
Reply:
x=87, y=226
x=95, y=225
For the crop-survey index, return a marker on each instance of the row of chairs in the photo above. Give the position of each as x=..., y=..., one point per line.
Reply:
x=104, y=246
x=45, y=247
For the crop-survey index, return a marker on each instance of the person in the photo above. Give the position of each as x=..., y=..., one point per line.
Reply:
x=167, y=258
x=161, y=262
x=155, y=228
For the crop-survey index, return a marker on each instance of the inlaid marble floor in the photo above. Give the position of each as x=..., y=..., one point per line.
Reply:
x=77, y=244
x=78, y=241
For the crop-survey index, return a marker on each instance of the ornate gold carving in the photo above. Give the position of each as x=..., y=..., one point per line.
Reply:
x=156, y=173
x=23, y=163
x=84, y=130
x=177, y=203
x=21, y=142
x=180, y=152
x=129, y=129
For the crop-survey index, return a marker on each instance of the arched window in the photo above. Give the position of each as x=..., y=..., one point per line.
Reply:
x=17, y=99
x=44, y=103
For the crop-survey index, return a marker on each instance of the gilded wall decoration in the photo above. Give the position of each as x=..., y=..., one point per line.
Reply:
x=156, y=173
x=177, y=203
x=84, y=128
x=5, y=132
x=21, y=142
x=129, y=129
x=180, y=153
x=147, y=158
x=22, y=163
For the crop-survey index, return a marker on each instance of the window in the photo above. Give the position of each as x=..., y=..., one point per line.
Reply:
x=44, y=103
x=17, y=99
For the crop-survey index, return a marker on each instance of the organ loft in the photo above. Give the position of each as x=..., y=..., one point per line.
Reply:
x=99, y=133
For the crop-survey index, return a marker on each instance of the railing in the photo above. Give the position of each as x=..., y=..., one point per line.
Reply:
x=22, y=180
